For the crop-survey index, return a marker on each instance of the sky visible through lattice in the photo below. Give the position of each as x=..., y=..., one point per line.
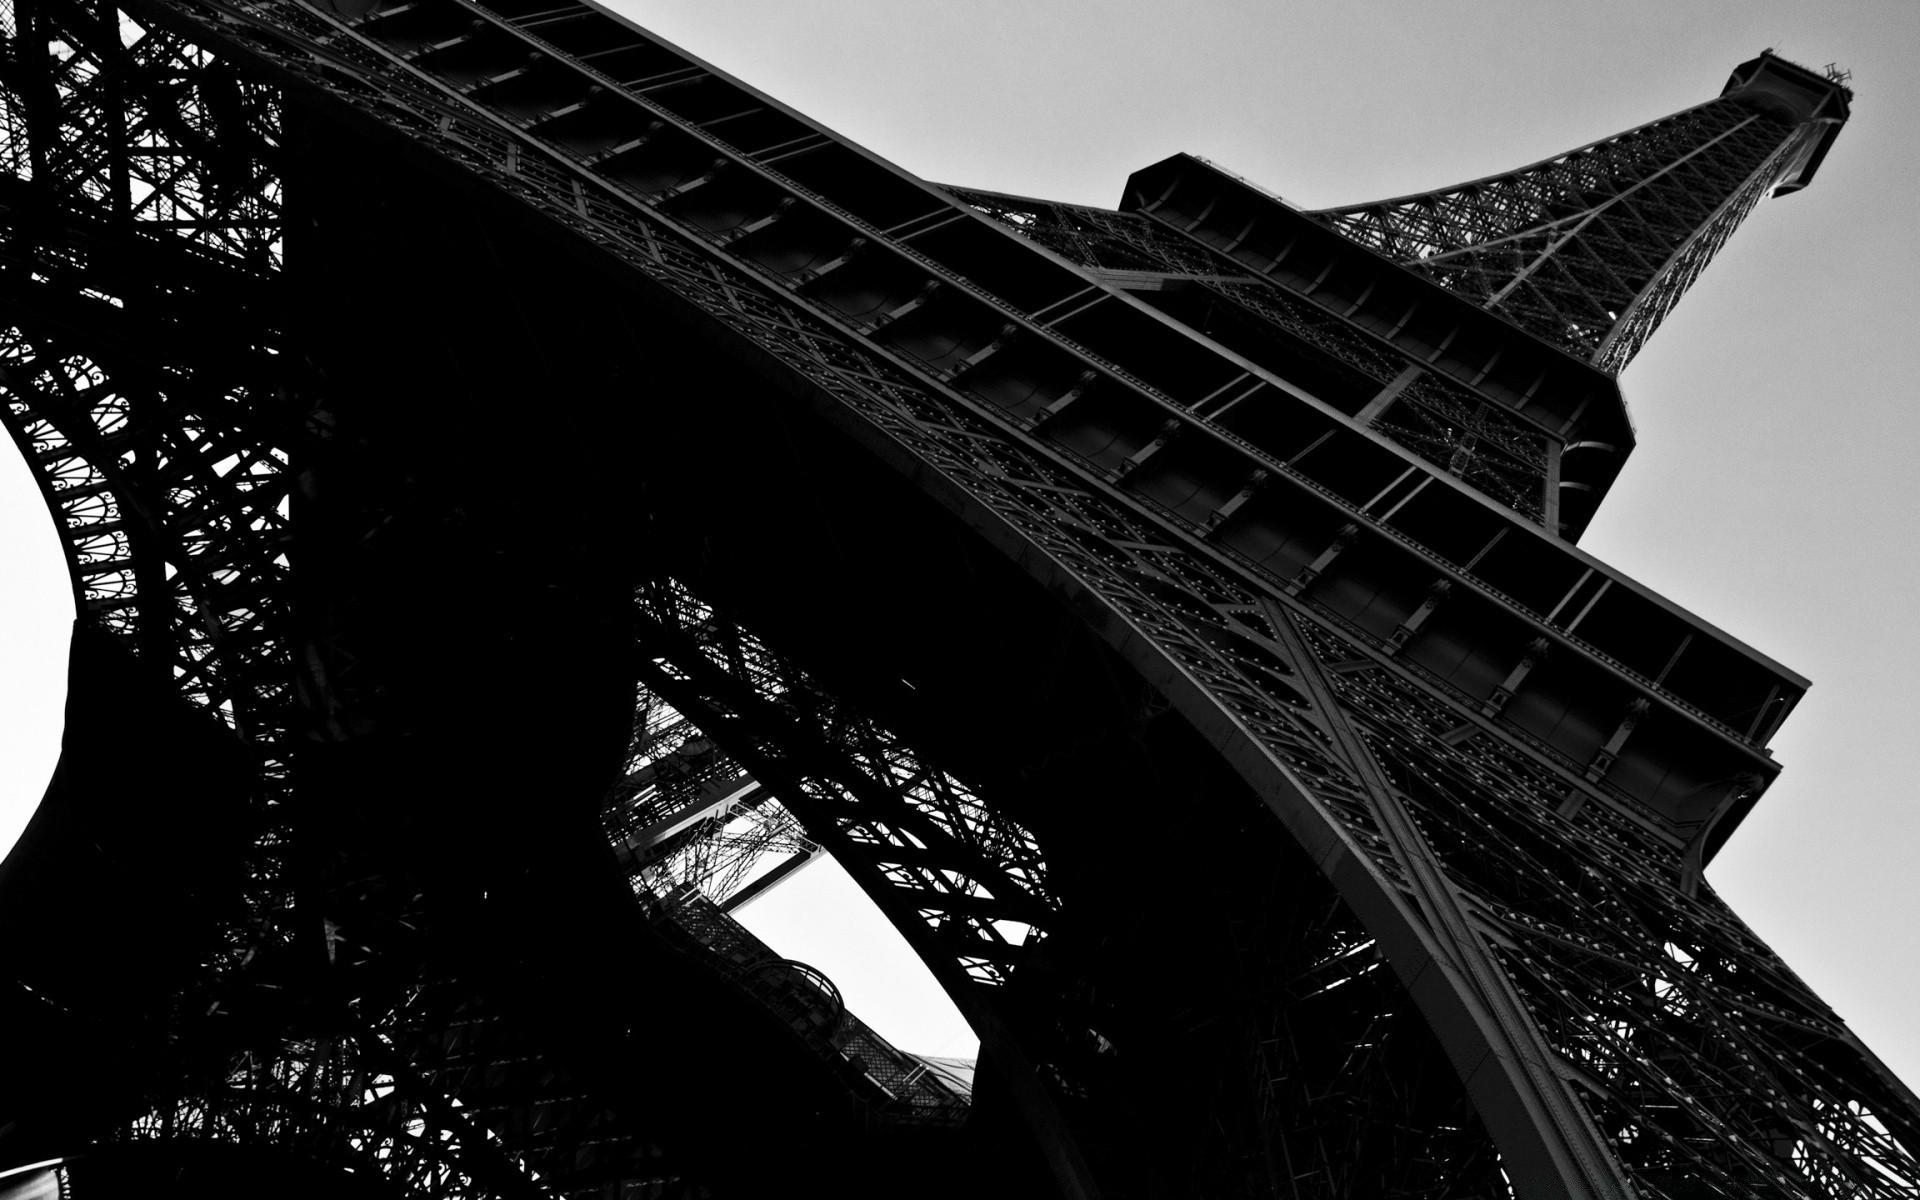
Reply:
x=1774, y=411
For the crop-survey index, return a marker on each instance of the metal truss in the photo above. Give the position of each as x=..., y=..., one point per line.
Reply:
x=1685, y=1036
x=503, y=1117
x=1120, y=242
x=700, y=837
x=684, y=815
x=1617, y=1030
x=1448, y=425
x=960, y=876
x=1591, y=249
x=351, y=1103
x=140, y=363
x=440, y=1089
x=142, y=130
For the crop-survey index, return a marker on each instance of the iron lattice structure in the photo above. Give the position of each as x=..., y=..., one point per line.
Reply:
x=1219, y=531
x=1483, y=443
x=1592, y=248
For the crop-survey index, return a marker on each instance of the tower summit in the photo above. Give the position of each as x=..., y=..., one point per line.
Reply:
x=526, y=490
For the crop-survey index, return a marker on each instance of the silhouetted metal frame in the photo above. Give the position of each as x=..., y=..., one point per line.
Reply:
x=1193, y=620
x=143, y=379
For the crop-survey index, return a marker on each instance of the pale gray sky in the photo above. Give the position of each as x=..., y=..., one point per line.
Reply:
x=1775, y=408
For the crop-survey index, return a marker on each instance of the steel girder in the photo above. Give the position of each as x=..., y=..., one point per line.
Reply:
x=1465, y=434
x=686, y=815
x=1617, y=1029
x=1592, y=248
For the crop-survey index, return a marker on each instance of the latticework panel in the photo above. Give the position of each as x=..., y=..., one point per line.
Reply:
x=685, y=815
x=1710, y=1066
x=351, y=1103
x=1591, y=249
x=141, y=366
x=975, y=879
x=1472, y=439
x=1117, y=241
x=1433, y=416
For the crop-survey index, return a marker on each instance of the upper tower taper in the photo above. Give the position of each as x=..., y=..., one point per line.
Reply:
x=1592, y=248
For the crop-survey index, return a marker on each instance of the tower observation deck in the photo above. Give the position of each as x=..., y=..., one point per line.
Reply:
x=528, y=492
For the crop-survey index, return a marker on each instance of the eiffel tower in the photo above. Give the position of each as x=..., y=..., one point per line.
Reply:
x=528, y=493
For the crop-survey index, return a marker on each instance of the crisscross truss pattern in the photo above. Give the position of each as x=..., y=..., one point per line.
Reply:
x=161, y=241
x=141, y=363
x=355, y=1103
x=1449, y=425
x=973, y=879
x=132, y=124
x=685, y=815
x=1707, y=1063
x=1472, y=439
x=144, y=376
x=1116, y=241
x=1591, y=249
